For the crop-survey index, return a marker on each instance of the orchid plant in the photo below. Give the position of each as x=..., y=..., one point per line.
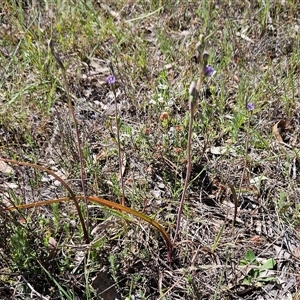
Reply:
x=205, y=70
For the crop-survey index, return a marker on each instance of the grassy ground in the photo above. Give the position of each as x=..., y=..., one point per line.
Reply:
x=254, y=49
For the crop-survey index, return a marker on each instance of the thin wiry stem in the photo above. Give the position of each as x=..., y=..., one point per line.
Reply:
x=194, y=95
x=249, y=107
x=245, y=163
x=119, y=150
x=117, y=119
x=71, y=109
x=188, y=174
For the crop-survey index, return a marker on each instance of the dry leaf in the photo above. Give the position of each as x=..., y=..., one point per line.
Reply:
x=281, y=125
x=164, y=116
x=245, y=37
x=5, y=168
x=296, y=252
x=10, y=185
x=219, y=150
x=101, y=227
x=236, y=78
x=53, y=247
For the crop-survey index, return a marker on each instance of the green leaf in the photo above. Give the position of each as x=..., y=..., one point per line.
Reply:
x=269, y=264
x=266, y=279
x=250, y=257
x=243, y=262
x=246, y=281
x=254, y=273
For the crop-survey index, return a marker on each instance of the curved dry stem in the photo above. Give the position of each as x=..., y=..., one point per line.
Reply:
x=72, y=195
x=106, y=203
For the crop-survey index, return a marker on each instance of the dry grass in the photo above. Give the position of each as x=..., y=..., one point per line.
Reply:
x=254, y=48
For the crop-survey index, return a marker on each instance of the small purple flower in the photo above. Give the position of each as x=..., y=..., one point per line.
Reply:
x=208, y=71
x=111, y=79
x=250, y=106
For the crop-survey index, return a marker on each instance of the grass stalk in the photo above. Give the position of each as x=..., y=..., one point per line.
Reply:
x=60, y=288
